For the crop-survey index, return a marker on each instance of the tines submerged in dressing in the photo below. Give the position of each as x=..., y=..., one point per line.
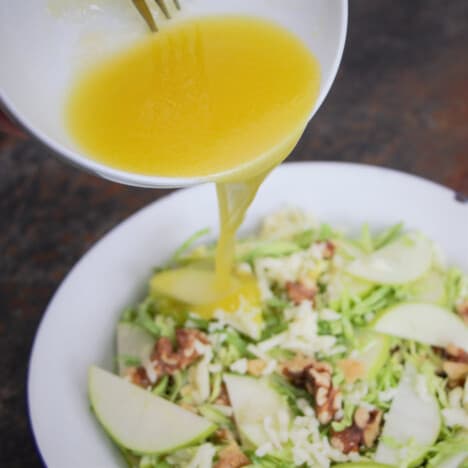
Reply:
x=224, y=98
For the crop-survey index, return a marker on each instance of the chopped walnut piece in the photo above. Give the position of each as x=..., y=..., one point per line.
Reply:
x=348, y=440
x=297, y=292
x=232, y=457
x=256, y=367
x=364, y=431
x=166, y=360
x=138, y=376
x=329, y=250
x=316, y=378
x=455, y=370
x=352, y=369
x=456, y=354
x=223, y=397
x=294, y=368
x=372, y=428
x=462, y=310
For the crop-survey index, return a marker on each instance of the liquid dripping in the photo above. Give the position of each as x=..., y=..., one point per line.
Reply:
x=219, y=98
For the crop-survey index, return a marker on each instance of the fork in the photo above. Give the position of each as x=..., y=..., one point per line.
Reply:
x=145, y=11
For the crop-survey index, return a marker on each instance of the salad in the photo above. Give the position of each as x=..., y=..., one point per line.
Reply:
x=328, y=350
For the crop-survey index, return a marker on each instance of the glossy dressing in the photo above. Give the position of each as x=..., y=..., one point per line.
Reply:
x=224, y=98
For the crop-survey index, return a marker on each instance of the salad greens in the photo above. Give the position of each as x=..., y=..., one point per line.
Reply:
x=349, y=351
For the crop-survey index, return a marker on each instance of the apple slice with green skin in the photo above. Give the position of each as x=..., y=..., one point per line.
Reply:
x=412, y=419
x=430, y=288
x=132, y=342
x=451, y=453
x=341, y=283
x=198, y=288
x=373, y=351
x=426, y=323
x=252, y=401
x=399, y=262
x=140, y=421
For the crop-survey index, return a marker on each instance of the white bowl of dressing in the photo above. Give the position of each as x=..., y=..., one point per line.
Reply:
x=45, y=43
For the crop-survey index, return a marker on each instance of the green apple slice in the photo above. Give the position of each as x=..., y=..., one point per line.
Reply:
x=399, y=262
x=133, y=342
x=252, y=401
x=140, y=421
x=372, y=350
x=413, y=420
x=189, y=285
x=426, y=323
x=199, y=289
x=341, y=283
x=429, y=288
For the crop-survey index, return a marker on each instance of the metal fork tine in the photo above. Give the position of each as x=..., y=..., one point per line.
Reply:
x=145, y=12
x=163, y=7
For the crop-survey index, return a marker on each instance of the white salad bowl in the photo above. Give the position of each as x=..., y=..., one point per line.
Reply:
x=44, y=43
x=78, y=327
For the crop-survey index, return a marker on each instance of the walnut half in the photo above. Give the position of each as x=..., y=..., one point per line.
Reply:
x=167, y=360
x=364, y=431
x=316, y=378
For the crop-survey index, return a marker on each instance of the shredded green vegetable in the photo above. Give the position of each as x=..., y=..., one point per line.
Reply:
x=304, y=352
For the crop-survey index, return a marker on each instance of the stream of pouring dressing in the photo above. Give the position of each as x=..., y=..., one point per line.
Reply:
x=225, y=98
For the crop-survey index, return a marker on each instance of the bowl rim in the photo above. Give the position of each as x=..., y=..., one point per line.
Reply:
x=76, y=159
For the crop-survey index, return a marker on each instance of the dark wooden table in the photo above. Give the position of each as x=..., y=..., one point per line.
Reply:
x=400, y=100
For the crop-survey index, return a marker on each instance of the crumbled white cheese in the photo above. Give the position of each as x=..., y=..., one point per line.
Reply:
x=303, y=266
x=264, y=449
x=355, y=393
x=239, y=366
x=201, y=348
x=247, y=319
x=215, y=325
x=285, y=223
x=305, y=407
x=387, y=395
x=270, y=367
x=199, y=377
x=456, y=415
x=150, y=372
x=300, y=337
x=309, y=447
x=329, y=315
x=244, y=268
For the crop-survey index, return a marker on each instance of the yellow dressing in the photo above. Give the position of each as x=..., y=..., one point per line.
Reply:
x=225, y=98
x=196, y=288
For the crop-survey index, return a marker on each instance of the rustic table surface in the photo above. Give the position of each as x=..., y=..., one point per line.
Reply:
x=400, y=100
